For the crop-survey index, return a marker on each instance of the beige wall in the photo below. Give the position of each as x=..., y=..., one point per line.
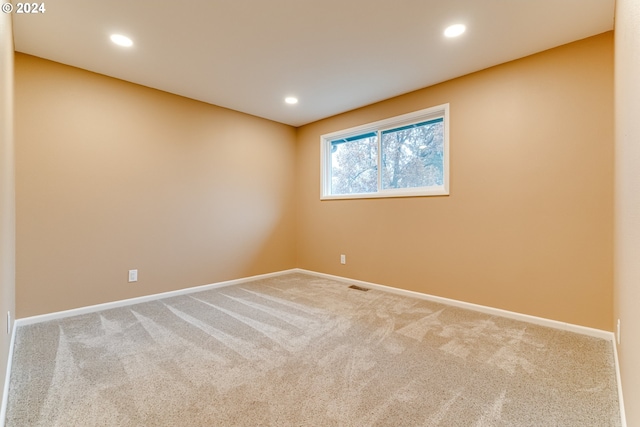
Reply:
x=7, y=194
x=528, y=225
x=113, y=176
x=627, y=203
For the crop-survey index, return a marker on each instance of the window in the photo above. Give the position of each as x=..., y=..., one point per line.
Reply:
x=402, y=156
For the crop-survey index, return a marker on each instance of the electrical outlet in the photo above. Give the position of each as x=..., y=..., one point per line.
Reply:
x=343, y=259
x=133, y=276
x=8, y=323
x=618, y=331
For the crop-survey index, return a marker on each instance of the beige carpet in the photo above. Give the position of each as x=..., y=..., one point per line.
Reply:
x=297, y=350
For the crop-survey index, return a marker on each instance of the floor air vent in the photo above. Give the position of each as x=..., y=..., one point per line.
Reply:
x=358, y=288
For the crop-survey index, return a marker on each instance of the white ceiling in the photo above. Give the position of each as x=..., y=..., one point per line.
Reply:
x=334, y=55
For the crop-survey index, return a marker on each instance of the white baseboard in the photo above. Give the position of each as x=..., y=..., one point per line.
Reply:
x=7, y=379
x=598, y=333
x=623, y=417
x=541, y=321
x=131, y=301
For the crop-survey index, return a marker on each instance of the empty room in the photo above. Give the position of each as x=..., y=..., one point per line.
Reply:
x=320, y=213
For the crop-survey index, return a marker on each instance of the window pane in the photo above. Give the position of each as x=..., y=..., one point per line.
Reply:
x=402, y=156
x=413, y=156
x=354, y=165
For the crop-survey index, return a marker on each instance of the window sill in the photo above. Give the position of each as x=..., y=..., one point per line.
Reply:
x=441, y=191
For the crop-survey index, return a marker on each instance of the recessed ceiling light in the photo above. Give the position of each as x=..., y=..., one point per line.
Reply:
x=455, y=30
x=121, y=40
x=291, y=100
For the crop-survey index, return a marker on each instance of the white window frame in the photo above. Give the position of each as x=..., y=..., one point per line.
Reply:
x=439, y=111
